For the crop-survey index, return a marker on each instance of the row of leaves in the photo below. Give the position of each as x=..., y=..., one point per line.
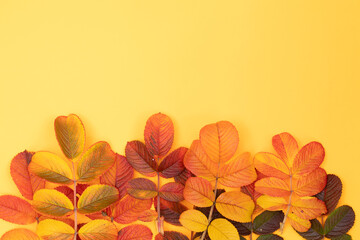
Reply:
x=95, y=193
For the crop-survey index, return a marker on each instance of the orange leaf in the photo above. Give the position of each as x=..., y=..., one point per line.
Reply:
x=136, y=231
x=308, y=159
x=148, y=216
x=142, y=188
x=308, y=208
x=140, y=159
x=118, y=175
x=16, y=210
x=299, y=224
x=172, y=192
x=219, y=140
x=20, y=234
x=198, y=162
x=274, y=187
x=98, y=229
x=129, y=208
x=70, y=134
x=173, y=164
x=239, y=172
x=26, y=182
x=311, y=184
x=159, y=134
x=286, y=146
x=271, y=166
x=272, y=203
x=199, y=192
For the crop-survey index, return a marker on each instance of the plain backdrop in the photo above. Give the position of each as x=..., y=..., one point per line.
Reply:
x=266, y=66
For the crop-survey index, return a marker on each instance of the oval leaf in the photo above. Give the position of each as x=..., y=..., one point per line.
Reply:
x=52, y=203
x=299, y=224
x=199, y=192
x=331, y=193
x=343, y=237
x=16, y=210
x=27, y=183
x=271, y=166
x=183, y=176
x=136, y=231
x=140, y=159
x=267, y=222
x=50, y=167
x=194, y=220
x=219, y=140
x=96, y=198
x=272, y=186
x=170, y=211
x=221, y=229
x=70, y=134
x=159, y=134
x=172, y=192
x=129, y=208
x=286, y=146
x=171, y=235
x=50, y=229
x=236, y=206
x=148, y=216
x=173, y=164
x=308, y=158
x=20, y=234
x=95, y=161
x=339, y=222
x=316, y=231
x=308, y=208
x=99, y=230
x=270, y=237
x=142, y=188
x=311, y=184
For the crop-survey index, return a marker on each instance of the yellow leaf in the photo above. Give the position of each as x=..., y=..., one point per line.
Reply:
x=272, y=203
x=299, y=224
x=95, y=161
x=97, y=197
x=20, y=234
x=308, y=208
x=99, y=230
x=70, y=134
x=50, y=229
x=194, y=220
x=236, y=206
x=222, y=229
x=52, y=202
x=50, y=167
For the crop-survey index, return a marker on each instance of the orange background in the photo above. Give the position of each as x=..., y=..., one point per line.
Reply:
x=266, y=66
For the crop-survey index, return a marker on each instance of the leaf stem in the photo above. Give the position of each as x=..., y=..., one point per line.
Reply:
x=159, y=220
x=288, y=208
x=75, y=207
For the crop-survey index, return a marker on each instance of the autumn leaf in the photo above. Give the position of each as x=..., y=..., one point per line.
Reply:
x=315, y=232
x=97, y=197
x=194, y=220
x=26, y=182
x=129, y=208
x=50, y=167
x=16, y=210
x=183, y=176
x=267, y=222
x=70, y=134
x=50, y=229
x=95, y=161
x=172, y=165
x=331, y=193
x=142, y=188
x=20, y=234
x=140, y=159
x=136, y=231
x=221, y=229
x=172, y=192
x=99, y=230
x=148, y=216
x=170, y=211
x=171, y=235
x=199, y=192
x=159, y=134
x=52, y=202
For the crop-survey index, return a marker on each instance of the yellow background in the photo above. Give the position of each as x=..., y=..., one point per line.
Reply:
x=266, y=66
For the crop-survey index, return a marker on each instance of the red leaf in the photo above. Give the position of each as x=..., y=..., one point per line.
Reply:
x=129, y=208
x=118, y=175
x=148, y=216
x=311, y=184
x=26, y=182
x=142, y=188
x=173, y=164
x=159, y=134
x=183, y=176
x=140, y=159
x=172, y=192
x=171, y=236
x=308, y=159
x=136, y=231
x=68, y=192
x=170, y=211
x=16, y=210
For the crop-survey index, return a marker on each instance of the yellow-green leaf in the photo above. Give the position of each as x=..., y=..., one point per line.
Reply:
x=52, y=202
x=70, y=134
x=97, y=197
x=194, y=220
x=50, y=167
x=20, y=234
x=222, y=229
x=99, y=230
x=50, y=229
x=95, y=161
x=236, y=206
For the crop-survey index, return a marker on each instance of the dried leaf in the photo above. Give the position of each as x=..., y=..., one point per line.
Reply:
x=136, y=231
x=267, y=222
x=331, y=193
x=99, y=230
x=52, y=203
x=142, y=188
x=70, y=134
x=173, y=165
x=129, y=208
x=339, y=222
x=50, y=167
x=221, y=229
x=27, y=183
x=308, y=159
x=16, y=210
x=50, y=229
x=194, y=220
x=95, y=161
x=199, y=192
x=172, y=192
x=140, y=159
x=219, y=140
x=20, y=234
x=97, y=197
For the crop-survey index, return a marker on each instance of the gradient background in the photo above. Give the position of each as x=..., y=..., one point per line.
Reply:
x=266, y=66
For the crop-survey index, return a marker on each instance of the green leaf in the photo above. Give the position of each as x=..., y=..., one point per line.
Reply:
x=339, y=222
x=331, y=193
x=142, y=188
x=315, y=232
x=270, y=237
x=267, y=222
x=343, y=237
